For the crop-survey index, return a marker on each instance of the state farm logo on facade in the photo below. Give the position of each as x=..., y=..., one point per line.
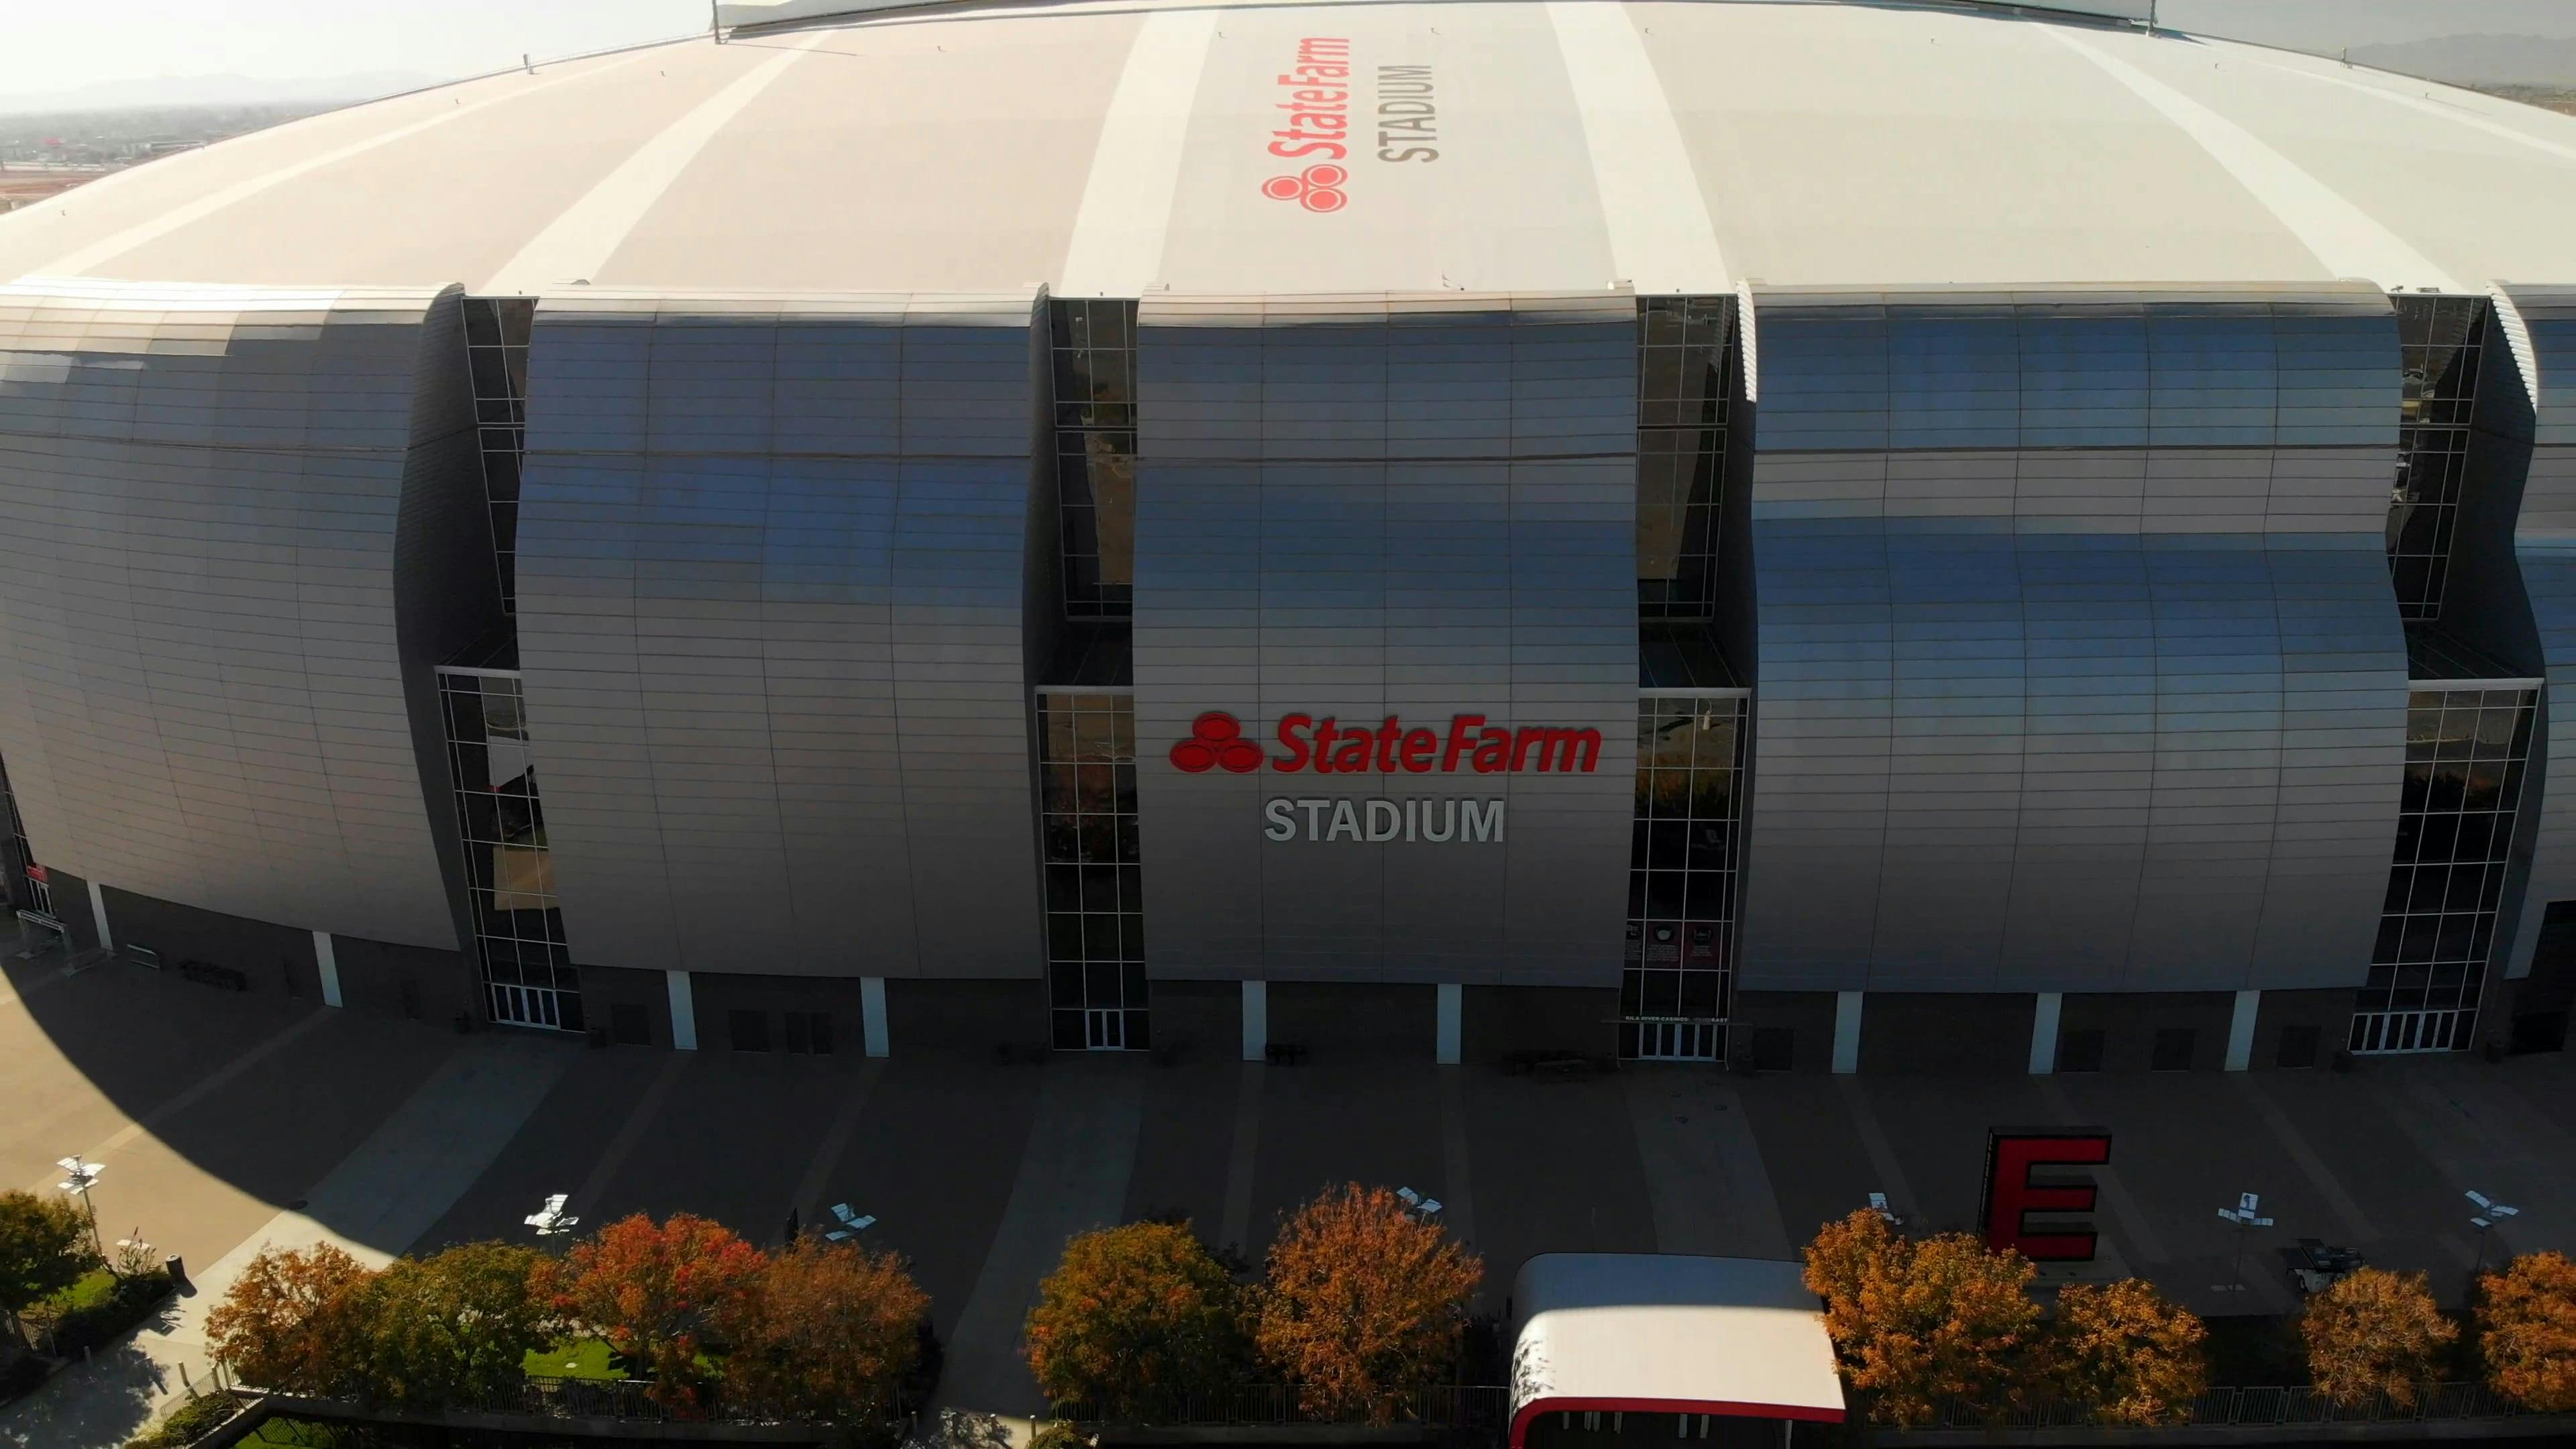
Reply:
x=1320, y=98
x=1326, y=747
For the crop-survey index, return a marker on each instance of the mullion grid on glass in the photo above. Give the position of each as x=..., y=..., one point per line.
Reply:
x=1094, y=884
x=1685, y=357
x=496, y=354
x=1093, y=343
x=2465, y=752
x=509, y=875
x=1682, y=875
x=2439, y=350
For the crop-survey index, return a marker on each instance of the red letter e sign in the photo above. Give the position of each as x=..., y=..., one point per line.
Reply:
x=2011, y=1197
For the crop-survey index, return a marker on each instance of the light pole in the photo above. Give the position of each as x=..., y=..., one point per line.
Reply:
x=2247, y=1216
x=78, y=1178
x=2490, y=1213
x=551, y=1221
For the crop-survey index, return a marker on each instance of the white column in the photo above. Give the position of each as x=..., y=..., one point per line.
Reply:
x=2240, y=1030
x=2043, y=1033
x=1453, y=998
x=684, y=1011
x=1256, y=1021
x=1846, y=1032
x=98, y=916
x=328, y=964
x=872, y=1022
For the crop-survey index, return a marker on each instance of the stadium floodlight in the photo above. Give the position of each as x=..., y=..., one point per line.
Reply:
x=552, y=1221
x=2490, y=1213
x=79, y=1176
x=852, y=1223
x=2247, y=1215
x=1416, y=1202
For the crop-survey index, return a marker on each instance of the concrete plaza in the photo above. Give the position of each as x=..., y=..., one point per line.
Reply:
x=228, y=1121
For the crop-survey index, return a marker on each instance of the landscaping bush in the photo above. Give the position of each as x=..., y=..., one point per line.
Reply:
x=100, y=1322
x=2124, y=1349
x=20, y=1371
x=1132, y=1314
x=194, y=1419
x=2376, y=1332
x=1918, y=1323
x=2527, y=1331
x=1364, y=1301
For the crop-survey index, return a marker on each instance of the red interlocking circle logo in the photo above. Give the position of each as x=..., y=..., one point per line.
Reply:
x=1215, y=739
x=1317, y=188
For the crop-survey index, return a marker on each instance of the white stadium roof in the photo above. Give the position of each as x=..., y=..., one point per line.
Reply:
x=1116, y=147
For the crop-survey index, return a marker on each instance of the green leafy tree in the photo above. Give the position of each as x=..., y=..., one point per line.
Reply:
x=827, y=1330
x=1365, y=1301
x=2125, y=1349
x=2527, y=1331
x=293, y=1321
x=2376, y=1332
x=1132, y=1313
x=453, y=1329
x=1919, y=1323
x=44, y=1249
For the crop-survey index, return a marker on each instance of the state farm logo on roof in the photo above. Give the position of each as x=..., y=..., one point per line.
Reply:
x=1319, y=86
x=1325, y=747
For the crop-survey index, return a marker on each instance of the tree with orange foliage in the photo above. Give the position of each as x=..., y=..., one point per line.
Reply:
x=2527, y=1331
x=653, y=1291
x=2122, y=1347
x=294, y=1321
x=1365, y=1301
x=2376, y=1332
x=824, y=1330
x=1918, y=1323
x=1133, y=1314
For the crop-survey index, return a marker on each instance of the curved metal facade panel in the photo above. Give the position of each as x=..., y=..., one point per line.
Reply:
x=201, y=696
x=2078, y=664
x=2545, y=543
x=1362, y=507
x=770, y=562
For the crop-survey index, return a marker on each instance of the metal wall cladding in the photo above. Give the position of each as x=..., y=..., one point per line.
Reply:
x=1361, y=507
x=200, y=692
x=2540, y=405
x=770, y=569
x=2079, y=668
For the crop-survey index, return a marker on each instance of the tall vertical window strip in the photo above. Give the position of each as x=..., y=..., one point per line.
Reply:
x=2465, y=750
x=2439, y=338
x=1095, y=895
x=1676, y=990
x=496, y=350
x=1685, y=355
x=528, y=973
x=1095, y=447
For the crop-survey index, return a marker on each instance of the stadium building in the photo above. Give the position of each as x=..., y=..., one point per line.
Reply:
x=1833, y=536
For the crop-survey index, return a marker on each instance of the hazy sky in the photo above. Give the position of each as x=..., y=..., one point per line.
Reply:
x=60, y=46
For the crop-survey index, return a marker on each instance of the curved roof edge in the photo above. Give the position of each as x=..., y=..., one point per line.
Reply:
x=751, y=14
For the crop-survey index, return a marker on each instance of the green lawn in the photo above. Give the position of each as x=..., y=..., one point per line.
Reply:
x=575, y=1358
x=92, y=1288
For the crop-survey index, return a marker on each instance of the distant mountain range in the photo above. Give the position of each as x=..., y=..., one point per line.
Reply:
x=2522, y=60
x=218, y=90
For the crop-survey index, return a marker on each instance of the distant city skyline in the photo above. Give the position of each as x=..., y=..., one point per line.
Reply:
x=106, y=49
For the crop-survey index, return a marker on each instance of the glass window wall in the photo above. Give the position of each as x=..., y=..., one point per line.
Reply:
x=2465, y=751
x=1676, y=991
x=496, y=352
x=1095, y=443
x=2439, y=338
x=1095, y=897
x=528, y=973
x=1685, y=355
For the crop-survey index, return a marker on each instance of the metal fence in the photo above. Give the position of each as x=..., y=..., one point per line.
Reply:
x=2253, y=1408
x=1464, y=1409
